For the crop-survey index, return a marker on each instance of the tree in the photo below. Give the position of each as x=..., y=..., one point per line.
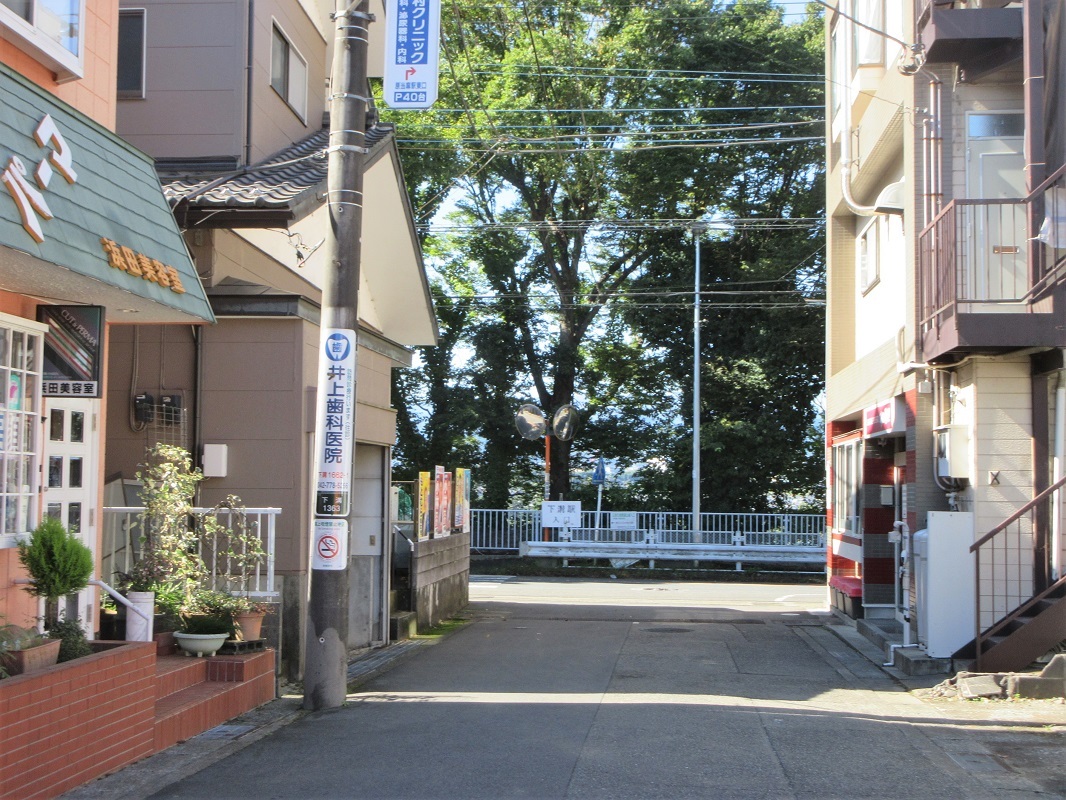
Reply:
x=585, y=132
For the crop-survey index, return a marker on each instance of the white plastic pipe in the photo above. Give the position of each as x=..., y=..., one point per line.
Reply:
x=1057, y=467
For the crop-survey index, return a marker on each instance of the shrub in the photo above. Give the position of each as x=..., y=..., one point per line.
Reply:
x=57, y=561
x=73, y=642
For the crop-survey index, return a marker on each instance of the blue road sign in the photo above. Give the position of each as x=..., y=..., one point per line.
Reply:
x=599, y=474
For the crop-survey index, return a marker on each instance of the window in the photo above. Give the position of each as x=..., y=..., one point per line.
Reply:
x=868, y=46
x=20, y=375
x=288, y=73
x=53, y=31
x=847, y=481
x=131, y=38
x=868, y=256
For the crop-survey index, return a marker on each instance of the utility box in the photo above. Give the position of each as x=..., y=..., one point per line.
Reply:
x=953, y=451
x=944, y=574
x=216, y=460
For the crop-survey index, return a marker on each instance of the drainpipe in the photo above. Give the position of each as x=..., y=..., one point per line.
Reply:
x=249, y=69
x=1057, y=469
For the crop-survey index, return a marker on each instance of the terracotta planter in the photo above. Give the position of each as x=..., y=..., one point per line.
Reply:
x=250, y=626
x=200, y=644
x=21, y=662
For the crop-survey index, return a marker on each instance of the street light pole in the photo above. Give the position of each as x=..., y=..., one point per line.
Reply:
x=697, y=537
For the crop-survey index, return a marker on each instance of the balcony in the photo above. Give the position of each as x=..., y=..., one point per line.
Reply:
x=992, y=275
x=969, y=32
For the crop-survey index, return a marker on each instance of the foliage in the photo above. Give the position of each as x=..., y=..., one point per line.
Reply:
x=57, y=561
x=208, y=611
x=237, y=546
x=74, y=643
x=15, y=637
x=588, y=134
x=170, y=547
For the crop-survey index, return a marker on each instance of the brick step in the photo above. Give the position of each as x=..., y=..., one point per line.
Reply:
x=174, y=673
x=230, y=686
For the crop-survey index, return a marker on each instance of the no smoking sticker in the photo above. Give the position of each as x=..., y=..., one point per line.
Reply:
x=331, y=544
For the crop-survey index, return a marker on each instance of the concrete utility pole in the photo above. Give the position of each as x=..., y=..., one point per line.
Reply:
x=326, y=666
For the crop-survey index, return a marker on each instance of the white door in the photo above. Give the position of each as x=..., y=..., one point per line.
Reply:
x=70, y=473
x=995, y=169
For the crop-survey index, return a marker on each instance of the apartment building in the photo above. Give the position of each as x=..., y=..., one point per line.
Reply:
x=946, y=386
x=89, y=250
x=228, y=97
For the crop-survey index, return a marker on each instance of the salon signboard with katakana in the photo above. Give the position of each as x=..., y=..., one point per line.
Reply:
x=412, y=53
x=336, y=423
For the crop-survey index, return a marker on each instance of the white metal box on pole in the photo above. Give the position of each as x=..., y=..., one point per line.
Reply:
x=945, y=579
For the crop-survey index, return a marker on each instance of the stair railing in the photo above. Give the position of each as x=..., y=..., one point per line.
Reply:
x=1010, y=565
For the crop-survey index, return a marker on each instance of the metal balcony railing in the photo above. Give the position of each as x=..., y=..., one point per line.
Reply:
x=992, y=255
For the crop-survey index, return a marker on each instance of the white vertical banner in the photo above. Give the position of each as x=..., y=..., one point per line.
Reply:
x=336, y=415
x=412, y=53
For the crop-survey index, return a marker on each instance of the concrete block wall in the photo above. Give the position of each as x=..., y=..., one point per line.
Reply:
x=440, y=577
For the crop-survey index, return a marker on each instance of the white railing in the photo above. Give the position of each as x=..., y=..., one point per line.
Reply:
x=493, y=530
x=121, y=548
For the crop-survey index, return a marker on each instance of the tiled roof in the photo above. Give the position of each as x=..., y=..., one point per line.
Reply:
x=274, y=183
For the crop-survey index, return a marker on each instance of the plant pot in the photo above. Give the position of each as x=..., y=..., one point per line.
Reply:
x=139, y=629
x=20, y=662
x=200, y=644
x=250, y=626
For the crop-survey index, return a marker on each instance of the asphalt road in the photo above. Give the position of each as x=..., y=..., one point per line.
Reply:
x=608, y=689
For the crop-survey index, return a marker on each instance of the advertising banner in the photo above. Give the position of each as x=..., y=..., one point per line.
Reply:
x=424, y=512
x=461, y=519
x=412, y=53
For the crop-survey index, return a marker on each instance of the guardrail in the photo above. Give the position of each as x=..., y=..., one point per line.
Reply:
x=664, y=535
x=121, y=547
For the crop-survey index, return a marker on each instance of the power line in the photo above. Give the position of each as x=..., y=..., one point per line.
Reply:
x=710, y=144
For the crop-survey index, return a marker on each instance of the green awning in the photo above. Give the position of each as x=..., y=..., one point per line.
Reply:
x=111, y=238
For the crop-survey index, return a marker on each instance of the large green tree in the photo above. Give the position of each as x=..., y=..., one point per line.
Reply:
x=572, y=143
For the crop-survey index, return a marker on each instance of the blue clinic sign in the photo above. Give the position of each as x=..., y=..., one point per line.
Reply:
x=412, y=53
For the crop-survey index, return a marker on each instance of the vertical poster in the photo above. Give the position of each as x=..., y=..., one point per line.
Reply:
x=438, y=501
x=462, y=500
x=446, y=504
x=424, y=520
x=412, y=53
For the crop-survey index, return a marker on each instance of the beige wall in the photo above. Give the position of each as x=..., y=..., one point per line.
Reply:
x=196, y=80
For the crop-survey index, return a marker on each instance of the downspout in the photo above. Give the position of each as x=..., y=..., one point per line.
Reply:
x=248, y=69
x=845, y=138
x=1057, y=470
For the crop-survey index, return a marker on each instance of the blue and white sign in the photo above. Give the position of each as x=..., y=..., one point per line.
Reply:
x=336, y=423
x=599, y=474
x=412, y=53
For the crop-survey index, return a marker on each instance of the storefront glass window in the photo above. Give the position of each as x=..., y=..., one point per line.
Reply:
x=20, y=373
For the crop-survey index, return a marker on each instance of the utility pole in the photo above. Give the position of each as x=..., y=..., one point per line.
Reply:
x=326, y=666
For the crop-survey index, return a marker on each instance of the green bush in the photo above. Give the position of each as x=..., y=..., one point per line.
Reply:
x=74, y=643
x=57, y=561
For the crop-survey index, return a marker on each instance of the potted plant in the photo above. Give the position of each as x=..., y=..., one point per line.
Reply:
x=57, y=562
x=207, y=622
x=170, y=566
x=24, y=650
x=239, y=550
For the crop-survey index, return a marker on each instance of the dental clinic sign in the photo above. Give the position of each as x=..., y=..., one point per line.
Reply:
x=28, y=189
x=412, y=52
x=336, y=423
